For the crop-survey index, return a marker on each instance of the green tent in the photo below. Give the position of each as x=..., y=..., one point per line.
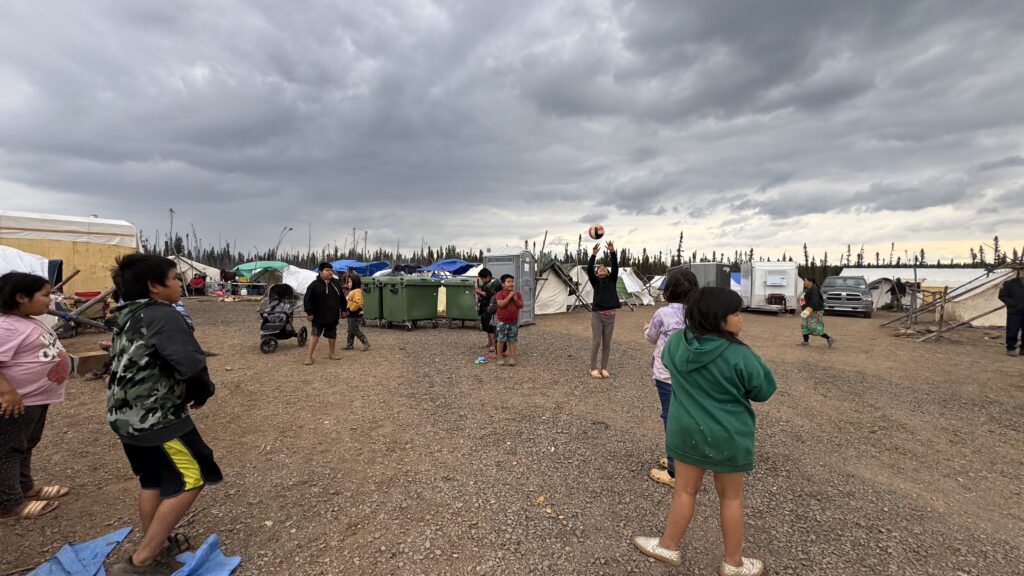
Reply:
x=249, y=268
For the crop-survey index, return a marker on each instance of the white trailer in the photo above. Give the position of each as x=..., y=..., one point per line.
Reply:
x=773, y=286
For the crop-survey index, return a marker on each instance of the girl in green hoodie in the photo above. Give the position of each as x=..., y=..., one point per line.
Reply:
x=710, y=426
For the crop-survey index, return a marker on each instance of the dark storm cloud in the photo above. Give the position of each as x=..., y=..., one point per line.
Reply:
x=405, y=117
x=1008, y=162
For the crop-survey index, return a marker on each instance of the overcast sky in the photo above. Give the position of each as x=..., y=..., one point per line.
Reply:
x=482, y=123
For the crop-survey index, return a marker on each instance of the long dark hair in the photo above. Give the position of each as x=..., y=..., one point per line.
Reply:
x=679, y=285
x=356, y=281
x=14, y=284
x=706, y=311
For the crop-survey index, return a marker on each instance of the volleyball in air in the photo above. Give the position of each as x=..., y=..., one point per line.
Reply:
x=596, y=231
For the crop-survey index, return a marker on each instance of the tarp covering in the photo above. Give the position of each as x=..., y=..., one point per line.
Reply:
x=361, y=268
x=734, y=281
x=81, y=558
x=450, y=265
x=30, y=225
x=553, y=294
x=298, y=278
x=249, y=268
x=963, y=305
x=14, y=260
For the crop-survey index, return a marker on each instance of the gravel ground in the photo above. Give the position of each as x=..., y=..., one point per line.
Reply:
x=882, y=456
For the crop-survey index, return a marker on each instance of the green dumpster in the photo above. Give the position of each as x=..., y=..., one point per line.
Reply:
x=460, y=301
x=373, y=299
x=408, y=300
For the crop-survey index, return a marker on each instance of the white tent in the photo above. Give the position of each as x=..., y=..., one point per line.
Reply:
x=187, y=268
x=976, y=298
x=298, y=278
x=90, y=245
x=638, y=296
x=654, y=288
x=553, y=294
x=14, y=260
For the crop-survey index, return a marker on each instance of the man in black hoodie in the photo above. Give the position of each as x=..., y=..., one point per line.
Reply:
x=1012, y=294
x=323, y=305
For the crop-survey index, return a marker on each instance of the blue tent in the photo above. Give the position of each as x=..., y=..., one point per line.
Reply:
x=361, y=268
x=450, y=265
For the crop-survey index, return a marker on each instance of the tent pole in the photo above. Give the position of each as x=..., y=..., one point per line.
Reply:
x=962, y=324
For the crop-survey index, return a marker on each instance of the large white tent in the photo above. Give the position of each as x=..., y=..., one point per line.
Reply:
x=554, y=295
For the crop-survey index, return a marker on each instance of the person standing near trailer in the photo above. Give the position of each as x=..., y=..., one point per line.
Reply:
x=1012, y=294
x=813, y=305
x=604, y=280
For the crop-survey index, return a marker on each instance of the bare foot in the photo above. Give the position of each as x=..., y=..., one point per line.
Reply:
x=309, y=361
x=335, y=357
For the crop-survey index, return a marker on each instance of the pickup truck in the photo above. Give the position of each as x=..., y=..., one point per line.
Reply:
x=848, y=294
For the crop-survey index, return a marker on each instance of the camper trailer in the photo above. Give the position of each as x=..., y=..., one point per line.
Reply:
x=773, y=286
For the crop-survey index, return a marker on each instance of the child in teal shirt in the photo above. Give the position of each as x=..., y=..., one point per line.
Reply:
x=711, y=423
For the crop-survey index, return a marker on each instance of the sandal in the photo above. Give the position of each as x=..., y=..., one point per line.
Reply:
x=595, y=374
x=47, y=492
x=32, y=509
x=605, y=374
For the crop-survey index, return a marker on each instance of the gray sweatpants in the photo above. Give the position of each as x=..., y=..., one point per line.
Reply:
x=18, y=436
x=601, y=327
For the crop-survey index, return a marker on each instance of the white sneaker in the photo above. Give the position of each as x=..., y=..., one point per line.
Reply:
x=650, y=547
x=751, y=567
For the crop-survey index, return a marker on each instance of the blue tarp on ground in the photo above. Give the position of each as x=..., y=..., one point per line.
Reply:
x=81, y=558
x=361, y=268
x=86, y=558
x=451, y=265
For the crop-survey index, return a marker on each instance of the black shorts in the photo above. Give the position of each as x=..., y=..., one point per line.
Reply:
x=176, y=466
x=329, y=331
x=487, y=323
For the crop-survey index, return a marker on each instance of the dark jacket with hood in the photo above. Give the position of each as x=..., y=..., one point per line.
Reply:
x=813, y=298
x=606, y=291
x=1012, y=294
x=710, y=420
x=324, y=301
x=157, y=370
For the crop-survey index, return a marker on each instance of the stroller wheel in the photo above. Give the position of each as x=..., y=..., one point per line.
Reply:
x=303, y=336
x=268, y=345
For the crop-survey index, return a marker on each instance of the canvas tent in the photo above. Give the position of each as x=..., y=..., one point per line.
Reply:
x=88, y=244
x=188, y=268
x=554, y=295
x=978, y=297
x=251, y=269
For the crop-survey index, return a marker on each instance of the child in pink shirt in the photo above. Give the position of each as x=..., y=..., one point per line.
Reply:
x=33, y=369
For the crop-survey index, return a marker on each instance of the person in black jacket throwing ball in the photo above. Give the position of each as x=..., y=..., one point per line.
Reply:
x=1012, y=294
x=323, y=305
x=604, y=280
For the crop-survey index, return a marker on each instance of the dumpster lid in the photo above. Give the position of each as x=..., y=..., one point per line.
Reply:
x=417, y=281
x=459, y=282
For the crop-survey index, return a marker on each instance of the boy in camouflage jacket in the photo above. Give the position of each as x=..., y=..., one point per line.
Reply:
x=158, y=371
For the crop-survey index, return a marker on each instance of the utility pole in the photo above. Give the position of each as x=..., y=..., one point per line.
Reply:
x=170, y=235
x=366, y=240
x=309, y=242
x=355, y=247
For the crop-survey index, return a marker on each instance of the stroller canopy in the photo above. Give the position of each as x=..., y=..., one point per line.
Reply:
x=281, y=292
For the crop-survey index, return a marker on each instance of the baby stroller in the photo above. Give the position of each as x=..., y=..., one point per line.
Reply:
x=276, y=313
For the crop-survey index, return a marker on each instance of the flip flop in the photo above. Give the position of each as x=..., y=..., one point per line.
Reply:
x=48, y=492
x=32, y=509
x=595, y=374
x=605, y=374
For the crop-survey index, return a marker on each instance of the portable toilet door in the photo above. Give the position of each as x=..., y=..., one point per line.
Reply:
x=523, y=266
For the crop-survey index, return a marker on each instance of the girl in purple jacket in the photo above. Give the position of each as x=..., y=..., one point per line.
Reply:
x=667, y=321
